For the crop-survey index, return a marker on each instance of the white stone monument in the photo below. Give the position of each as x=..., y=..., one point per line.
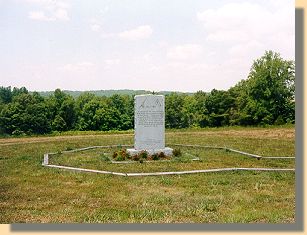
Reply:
x=149, y=125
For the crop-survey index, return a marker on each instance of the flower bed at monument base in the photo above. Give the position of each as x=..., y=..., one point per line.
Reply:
x=124, y=155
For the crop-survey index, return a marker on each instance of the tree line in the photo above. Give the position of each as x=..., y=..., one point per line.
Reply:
x=266, y=97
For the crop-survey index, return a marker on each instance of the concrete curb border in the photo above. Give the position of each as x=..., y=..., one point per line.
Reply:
x=46, y=163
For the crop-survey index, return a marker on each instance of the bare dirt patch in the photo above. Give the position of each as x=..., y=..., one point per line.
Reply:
x=257, y=133
x=31, y=140
x=283, y=133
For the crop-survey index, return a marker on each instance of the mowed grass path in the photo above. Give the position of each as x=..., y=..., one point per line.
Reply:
x=32, y=193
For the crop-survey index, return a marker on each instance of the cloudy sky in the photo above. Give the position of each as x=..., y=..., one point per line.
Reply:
x=155, y=45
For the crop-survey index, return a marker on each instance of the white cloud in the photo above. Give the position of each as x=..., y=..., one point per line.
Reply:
x=245, y=21
x=49, y=10
x=162, y=44
x=95, y=24
x=139, y=33
x=185, y=52
x=253, y=47
x=40, y=2
x=61, y=14
x=39, y=15
x=234, y=18
x=77, y=67
x=104, y=10
x=105, y=35
x=246, y=29
x=110, y=62
x=228, y=35
x=95, y=27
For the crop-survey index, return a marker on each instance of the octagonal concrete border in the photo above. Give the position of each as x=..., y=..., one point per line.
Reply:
x=46, y=163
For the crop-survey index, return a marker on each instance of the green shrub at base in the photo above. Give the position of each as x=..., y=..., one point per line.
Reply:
x=121, y=155
x=155, y=156
x=177, y=152
x=143, y=154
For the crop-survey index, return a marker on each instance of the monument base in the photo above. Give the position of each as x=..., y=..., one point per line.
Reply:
x=167, y=151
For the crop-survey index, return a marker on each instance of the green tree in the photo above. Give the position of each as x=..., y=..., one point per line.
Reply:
x=25, y=114
x=87, y=119
x=107, y=118
x=268, y=95
x=5, y=95
x=218, y=104
x=189, y=111
x=201, y=113
x=18, y=91
x=59, y=123
x=64, y=106
x=120, y=109
x=68, y=112
x=174, y=117
x=83, y=99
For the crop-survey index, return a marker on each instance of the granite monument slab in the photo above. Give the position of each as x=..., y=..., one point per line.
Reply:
x=149, y=125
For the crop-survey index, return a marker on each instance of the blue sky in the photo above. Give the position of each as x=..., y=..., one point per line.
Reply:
x=155, y=45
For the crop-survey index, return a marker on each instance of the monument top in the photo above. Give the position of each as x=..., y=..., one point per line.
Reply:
x=149, y=102
x=149, y=95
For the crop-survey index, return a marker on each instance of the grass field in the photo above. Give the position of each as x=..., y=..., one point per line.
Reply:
x=32, y=193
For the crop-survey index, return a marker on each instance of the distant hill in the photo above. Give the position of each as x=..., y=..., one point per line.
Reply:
x=109, y=93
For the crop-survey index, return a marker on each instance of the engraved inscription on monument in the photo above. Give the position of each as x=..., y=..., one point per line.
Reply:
x=149, y=118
